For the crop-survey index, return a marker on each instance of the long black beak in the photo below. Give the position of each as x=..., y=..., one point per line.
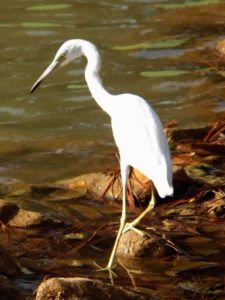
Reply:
x=54, y=65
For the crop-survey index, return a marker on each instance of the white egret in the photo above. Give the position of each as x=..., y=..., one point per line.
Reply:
x=136, y=127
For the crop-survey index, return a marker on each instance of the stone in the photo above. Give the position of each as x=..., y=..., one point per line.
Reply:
x=82, y=289
x=26, y=218
x=12, y=214
x=133, y=244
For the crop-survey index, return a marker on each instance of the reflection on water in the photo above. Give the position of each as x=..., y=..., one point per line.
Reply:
x=41, y=134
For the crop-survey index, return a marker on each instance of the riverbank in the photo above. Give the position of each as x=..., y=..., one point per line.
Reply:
x=62, y=229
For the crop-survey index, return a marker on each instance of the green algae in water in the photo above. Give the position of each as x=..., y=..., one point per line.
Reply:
x=30, y=25
x=170, y=43
x=39, y=25
x=7, y=25
x=163, y=73
x=77, y=86
x=48, y=7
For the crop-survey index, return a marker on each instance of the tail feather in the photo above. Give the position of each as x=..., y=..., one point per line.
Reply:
x=163, y=187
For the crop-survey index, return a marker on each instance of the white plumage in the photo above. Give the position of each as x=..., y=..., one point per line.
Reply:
x=136, y=128
x=141, y=141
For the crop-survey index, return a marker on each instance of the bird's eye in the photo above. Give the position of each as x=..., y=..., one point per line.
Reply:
x=62, y=57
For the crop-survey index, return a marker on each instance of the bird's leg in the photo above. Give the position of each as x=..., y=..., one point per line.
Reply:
x=131, y=226
x=124, y=172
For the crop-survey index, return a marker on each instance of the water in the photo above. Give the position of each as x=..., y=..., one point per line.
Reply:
x=158, y=49
x=60, y=131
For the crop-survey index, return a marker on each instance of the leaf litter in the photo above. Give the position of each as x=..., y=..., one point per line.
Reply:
x=77, y=219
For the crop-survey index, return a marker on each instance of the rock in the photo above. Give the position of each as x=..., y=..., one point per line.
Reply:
x=97, y=185
x=206, y=174
x=90, y=186
x=133, y=244
x=7, y=210
x=8, y=291
x=13, y=187
x=26, y=218
x=82, y=289
x=12, y=214
x=8, y=265
x=70, y=189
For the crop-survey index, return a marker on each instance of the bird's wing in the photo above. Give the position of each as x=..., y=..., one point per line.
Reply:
x=136, y=126
x=139, y=135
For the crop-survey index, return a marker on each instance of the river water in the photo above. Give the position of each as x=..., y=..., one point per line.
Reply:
x=157, y=49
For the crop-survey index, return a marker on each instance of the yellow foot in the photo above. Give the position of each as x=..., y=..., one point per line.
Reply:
x=108, y=268
x=130, y=226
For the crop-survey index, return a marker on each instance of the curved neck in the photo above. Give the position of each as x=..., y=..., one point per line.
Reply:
x=98, y=92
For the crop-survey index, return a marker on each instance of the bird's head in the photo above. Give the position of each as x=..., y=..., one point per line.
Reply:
x=69, y=51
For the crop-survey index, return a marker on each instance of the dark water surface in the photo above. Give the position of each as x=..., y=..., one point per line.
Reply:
x=157, y=49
